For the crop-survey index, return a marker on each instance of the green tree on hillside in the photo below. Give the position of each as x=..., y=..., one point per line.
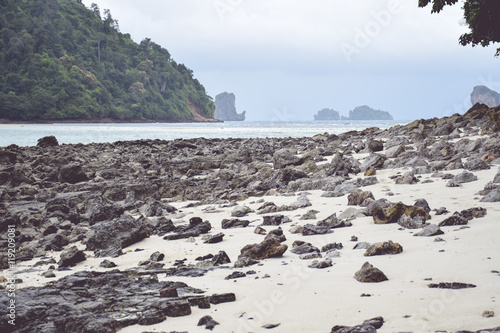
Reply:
x=480, y=15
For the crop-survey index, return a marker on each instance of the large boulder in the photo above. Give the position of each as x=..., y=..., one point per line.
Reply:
x=368, y=273
x=391, y=213
x=252, y=253
x=72, y=173
x=383, y=248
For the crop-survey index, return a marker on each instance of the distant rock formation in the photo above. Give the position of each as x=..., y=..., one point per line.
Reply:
x=327, y=114
x=485, y=95
x=365, y=112
x=225, y=108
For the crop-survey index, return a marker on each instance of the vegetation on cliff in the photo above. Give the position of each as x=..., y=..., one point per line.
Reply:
x=327, y=114
x=225, y=108
x=365, y=112
x=60, y=60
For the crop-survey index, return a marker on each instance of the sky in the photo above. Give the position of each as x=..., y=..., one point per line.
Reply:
x=287, y=59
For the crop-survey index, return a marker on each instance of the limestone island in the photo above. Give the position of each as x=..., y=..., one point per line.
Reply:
x=484, y=95
x=225, y=108
x=365, y=112
x=327, y=114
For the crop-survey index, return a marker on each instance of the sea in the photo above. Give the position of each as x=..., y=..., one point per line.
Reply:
x=28, y=134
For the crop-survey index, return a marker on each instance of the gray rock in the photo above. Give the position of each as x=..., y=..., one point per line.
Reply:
x=361, y=246
x=360, y=198
x=351, y=213
x=311, y=229
x=217, y=238
x=455, y=219
x=208, y=322
x=476, y=164
x=375, y=161
x=72, y=173
x=429, y=230
x=497, y=177
x=71, y=257
x=368, y=273
x=493, y=196
x=157, y=256
x=334, y=253
x=322, y=263
x=301, y=247
x=310, y=215
x=368, y=326
x=240, y=211
x=283, y=158
x=464, y=177
x=308, y=256
x=301, y=202
x=234, y=223
x=383, y=248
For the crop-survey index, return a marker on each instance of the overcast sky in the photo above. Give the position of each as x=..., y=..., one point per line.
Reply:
x=287, y=59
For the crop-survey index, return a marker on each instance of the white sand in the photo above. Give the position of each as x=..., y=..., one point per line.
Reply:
x=303, y=299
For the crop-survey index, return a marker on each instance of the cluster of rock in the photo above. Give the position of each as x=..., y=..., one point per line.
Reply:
x=111, y=195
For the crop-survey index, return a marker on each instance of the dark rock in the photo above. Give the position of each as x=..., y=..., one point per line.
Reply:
x=464, y=177
x=331, y=246
x=368, y=273
x=107, y=264
x=208, y=322
x=475, y=212
x=71, y=257
x=374, y=145
x=272, y=219
x=217, y=238
x=360, y=198
x=221, y=258
x=451, y=285
x=311, y=229
x=321, y=263
x=476, y=164
x=151, y=317
x=157, y=256
x=368, y=326
x=422, y=203
x=493, y=196
x=455, y=219
x=269, y=248
x=222, y=298
x=270, y=326
x=47, y=141
x=383, y=248
x=72, y=173
x=333, y=222
x=240, y=211
x=234, y=223
x=343, y=166
x=283, y=158
x=169, y=292
x=300, y=247
x=375, y=161
x=235, y=275
x=429, y=230
x=392, y=213
x=277, y=234
x=117, y=234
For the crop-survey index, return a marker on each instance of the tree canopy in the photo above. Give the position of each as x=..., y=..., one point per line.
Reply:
x=61, y=60
x=481, y=17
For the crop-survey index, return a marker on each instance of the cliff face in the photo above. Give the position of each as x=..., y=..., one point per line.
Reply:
x=225, y=108
x=484, y=95
x=327, y=114
x=367, y=113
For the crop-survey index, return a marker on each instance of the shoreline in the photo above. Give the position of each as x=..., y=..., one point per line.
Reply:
x=175, y=218
x=105, y=121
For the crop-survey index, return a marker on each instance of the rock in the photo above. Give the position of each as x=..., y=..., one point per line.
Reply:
x=300, y=247
x=360, y=198
x=72, y=173
x=239, y=211
x=392, y=213
x=343, y=166
x=455, y=219
x=311, y=229
x=429, y=230
x=327, y=114
x=310, y=215
x=321, y=264
x=271, y=326
x=375, y=161
x=259, y=230
x=374, y=145
x=217, y=238
x=156, y=208
x=488, y=314
x=451, y=285
x=269, y=248
x=368, y=326
x=484, y=95
x=208, y=321
x=371, y=171
x=169, y=292
x=195, y=228
x=49, y=274
x=71, y=257
x=308, y=256
x=234, y=223
x=221, y=258
x=332, y=246
x=383, y=248
x=422, y=203
x=225, y=108
x=301, y=202
x=157, y=256
x=332, y=254
x=272, y=219
x=464, y=177
x=361, y=246
x=222, y=298
x=351, y=213
x=497, y=177
x=283, y=158
x=475, y=212
x=333, y=222
x=107, y=264
x=368, y=273
x=235, y=275
x=493, y=196
x=411, y=223
x=47, y=141
x=476, y=164
x=295, y=229
x=408, y=178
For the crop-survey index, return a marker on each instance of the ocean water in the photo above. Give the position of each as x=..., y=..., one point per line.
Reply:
x=28, y=134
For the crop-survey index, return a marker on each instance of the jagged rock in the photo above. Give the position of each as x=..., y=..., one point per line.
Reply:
x=476, y=164
x=408, y=178
x=374, y=145
x=156, y=208
x=301, y=247
x=310, y=215
x=47, y=141
x=107, y=264
x=169, y=292
x=391, y=213
x=321, y=263
x=276, y=234
x=493, y=196
x=497, y=177
x=368, y=273
x=332, y=246
x=422, y=203
x=71, y=257
x=220, y=259
x=234, y=223
x=157, y=256
x=217, y=238
x=208, y=322
x=360, y=198
x=311, y=229
x=272, y=219
x=269, y=248
x=332, y=222
x=49, y=274
x=195, y=228
x=72, y=173
x=240, y=211
x=225, y=108
x=475, y=212
x=375, y=161
x=451, y=285
x=411, y=223
x=383, y=248
x=283, y=158
x=455, y=219
x=464, y=177
x=429, y=230
x=343, y=166
x=484, y=95
x=235, y=275
x=368, y=326
x=222, y=298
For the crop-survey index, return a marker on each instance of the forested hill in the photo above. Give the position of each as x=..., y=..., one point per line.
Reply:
x=60, y=60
